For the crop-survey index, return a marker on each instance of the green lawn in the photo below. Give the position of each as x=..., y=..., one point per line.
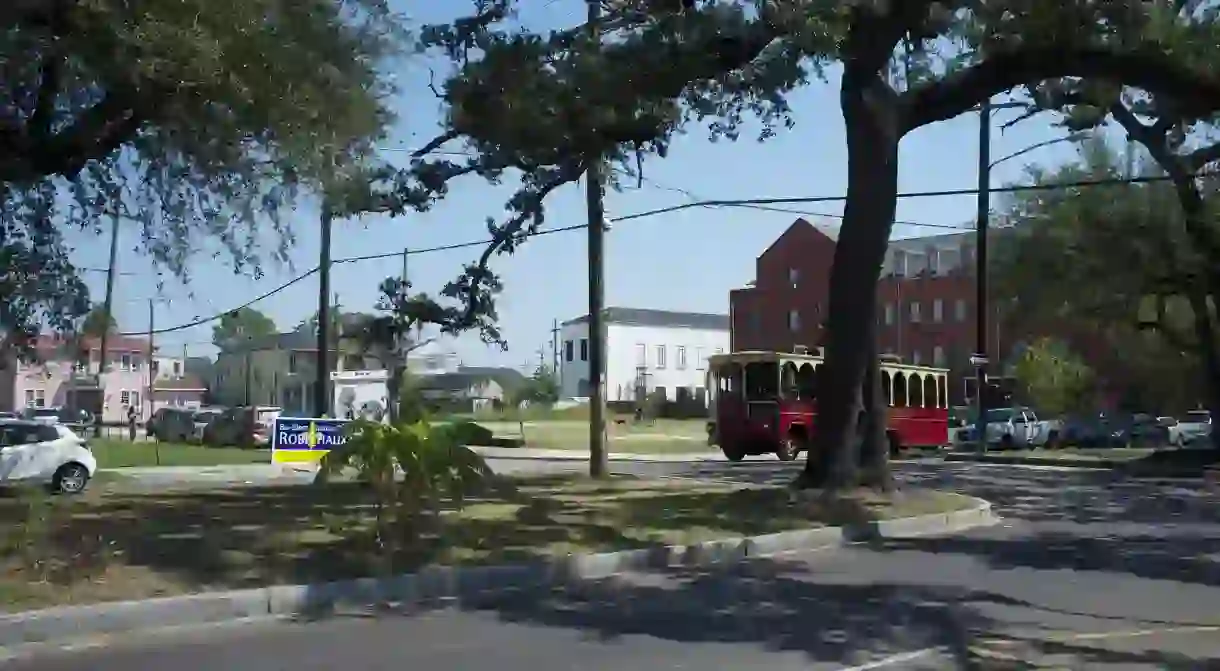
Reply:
x=112, y=453
x=107, y=544
x=1081, y=454
x=662, y=436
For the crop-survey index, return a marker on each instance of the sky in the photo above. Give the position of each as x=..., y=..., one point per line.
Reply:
x=686, y=261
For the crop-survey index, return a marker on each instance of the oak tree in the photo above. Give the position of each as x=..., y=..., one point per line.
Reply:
x=543, y=106
x=200, y=120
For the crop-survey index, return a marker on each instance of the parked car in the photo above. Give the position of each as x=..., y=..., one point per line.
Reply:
x=204, y=418
x=1014, y=428
x=1140, y=430
x=173, y=425
x=59, y=414
x=1195, y=428
x=243, y=427
x=1174, y=432
x=1087, y=431
x=40, y=452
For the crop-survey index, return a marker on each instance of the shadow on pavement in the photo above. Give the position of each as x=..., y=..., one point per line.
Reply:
x=784, y=607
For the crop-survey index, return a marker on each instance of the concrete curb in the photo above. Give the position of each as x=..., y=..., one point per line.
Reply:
x=63, y=626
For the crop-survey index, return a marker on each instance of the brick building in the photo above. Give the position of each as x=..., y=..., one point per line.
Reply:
x=925, y=302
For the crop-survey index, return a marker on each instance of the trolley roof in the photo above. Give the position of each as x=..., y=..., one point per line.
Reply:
x=763, y=356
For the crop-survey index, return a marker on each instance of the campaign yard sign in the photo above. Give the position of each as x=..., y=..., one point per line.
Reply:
x=296, y=440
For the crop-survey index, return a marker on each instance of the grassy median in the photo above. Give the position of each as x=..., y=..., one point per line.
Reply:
x=109, y=544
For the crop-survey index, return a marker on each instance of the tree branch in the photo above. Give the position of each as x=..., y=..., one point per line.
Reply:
x=1152, y=70
x=96, y=132
x=1201, y=157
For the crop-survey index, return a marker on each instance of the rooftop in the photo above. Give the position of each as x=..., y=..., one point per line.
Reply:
x=660, y=319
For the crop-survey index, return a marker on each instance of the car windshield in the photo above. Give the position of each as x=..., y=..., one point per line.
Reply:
x=1198, y=417
x=206, y=416
x=999, y=415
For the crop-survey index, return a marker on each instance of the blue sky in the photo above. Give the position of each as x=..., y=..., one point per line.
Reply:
x=688, y=260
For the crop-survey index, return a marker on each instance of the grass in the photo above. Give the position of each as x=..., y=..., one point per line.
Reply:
x=122, y=453
x=108, y=544
x=658, y=437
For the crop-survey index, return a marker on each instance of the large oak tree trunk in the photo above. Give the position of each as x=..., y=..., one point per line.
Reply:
x=871, y=115
x=874, y=446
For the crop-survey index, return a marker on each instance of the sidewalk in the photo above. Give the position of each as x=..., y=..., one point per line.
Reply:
x=509, y=453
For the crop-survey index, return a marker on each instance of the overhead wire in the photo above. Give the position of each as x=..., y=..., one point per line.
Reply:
x=747, y=203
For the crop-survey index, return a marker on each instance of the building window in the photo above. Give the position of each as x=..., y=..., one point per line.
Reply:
x=125, y=362
x=938, y=310
x=660, y=356
x=680, y=364
x=293, y=364
x=938, y=356
x=124, y=397
x=959, y=310
x=914, y=312
x=934, y=260
x=35, y=398
x=916, y=357
x=641, y=355
x=794, y=276
x=135, y=399
x=889, y=314
x=794, y=320
x=177, y=368
x=584, y=349
x=567, y=350
x=700, y=360
x=720, y=350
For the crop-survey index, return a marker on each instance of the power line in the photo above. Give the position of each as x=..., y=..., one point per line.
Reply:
x=749, y=203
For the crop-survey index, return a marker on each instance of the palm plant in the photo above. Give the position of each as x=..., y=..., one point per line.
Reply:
x=414, y=469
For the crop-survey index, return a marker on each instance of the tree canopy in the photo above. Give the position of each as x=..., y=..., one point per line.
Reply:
x=200, y=120
x=241, y=326
x=1106, y=261
x=97, y=323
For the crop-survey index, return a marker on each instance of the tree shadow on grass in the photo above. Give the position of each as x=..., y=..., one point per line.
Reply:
x=140, y=545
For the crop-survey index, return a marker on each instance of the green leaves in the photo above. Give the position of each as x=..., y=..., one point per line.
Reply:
x=416, y=466
x=1055, y=379
x=197, y=120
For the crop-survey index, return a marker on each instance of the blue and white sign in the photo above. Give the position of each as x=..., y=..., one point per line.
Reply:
x=305, y=439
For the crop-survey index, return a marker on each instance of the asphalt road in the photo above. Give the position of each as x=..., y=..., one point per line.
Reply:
x=1085, y=573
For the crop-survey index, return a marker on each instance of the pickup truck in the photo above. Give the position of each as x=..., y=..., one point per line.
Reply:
x=1015, y=428
x=1195, y=428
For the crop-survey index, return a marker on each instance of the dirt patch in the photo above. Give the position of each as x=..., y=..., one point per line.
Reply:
x=110, y=544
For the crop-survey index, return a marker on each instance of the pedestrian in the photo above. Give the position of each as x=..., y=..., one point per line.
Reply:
x=131, y=422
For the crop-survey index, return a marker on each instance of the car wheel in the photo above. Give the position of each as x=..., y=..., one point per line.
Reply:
x=787, y=449
x=1006, y=442
x=70, y=479
x=1052, y=440
x=734, y=455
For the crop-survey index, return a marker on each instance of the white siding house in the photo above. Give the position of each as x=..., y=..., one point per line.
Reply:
x=645, y=349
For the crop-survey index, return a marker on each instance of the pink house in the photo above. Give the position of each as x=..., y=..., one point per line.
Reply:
x=68, y=376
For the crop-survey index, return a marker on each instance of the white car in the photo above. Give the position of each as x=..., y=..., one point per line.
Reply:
x=50, y=454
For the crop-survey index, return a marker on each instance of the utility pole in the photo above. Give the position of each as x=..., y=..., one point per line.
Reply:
x=152, y=374
x=248, y=367
x=321, y=397
x=597, y=335
x=107, y=306
x=555, y=349
x=980, y=270
x=405, y=253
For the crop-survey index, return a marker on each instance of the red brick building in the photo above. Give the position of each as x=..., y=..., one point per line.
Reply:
x=925, y=302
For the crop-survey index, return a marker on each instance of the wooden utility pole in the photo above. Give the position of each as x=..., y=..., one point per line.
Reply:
x=555, y=350
x=152, y=364
x=321, y=397
x=597, y=340
x=107, y=307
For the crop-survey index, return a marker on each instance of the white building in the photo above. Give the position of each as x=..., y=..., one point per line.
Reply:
x=646, y=350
